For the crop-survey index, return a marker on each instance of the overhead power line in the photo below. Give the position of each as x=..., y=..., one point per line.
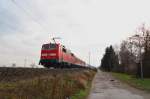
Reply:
x=10, y=26
x=28, y=14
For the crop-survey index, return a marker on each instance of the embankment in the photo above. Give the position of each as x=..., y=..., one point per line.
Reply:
x=27, y=83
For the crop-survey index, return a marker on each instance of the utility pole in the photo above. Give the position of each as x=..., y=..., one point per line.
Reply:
x=89, y=57
x=139, y=39
x=25, y=61
x=140, y=56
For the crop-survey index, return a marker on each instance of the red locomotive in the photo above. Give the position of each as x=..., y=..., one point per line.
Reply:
x=57, y=56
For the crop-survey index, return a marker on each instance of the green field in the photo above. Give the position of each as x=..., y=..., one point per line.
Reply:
x=133, y=81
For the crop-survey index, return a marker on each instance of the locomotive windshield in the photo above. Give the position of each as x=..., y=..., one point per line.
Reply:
x=49, y=46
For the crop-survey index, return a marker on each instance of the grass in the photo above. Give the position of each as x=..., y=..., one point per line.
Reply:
x=133, y=81
x=82, y=94
x=59, y=86
x=84, y=90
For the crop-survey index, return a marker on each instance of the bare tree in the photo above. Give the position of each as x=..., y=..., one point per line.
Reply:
x=127, y=56
x=146, y=54
x=141, y=42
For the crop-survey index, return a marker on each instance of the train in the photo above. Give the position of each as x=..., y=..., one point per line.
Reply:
x=57, y=55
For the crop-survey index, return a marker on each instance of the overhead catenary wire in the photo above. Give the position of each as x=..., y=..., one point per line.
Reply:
x=11, y=27
x=14, y=27
x=27, y=12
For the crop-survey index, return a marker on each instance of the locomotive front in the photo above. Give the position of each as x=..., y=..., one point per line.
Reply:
x=49, y=55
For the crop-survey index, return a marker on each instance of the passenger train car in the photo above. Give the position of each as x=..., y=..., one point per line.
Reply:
x=58, y=56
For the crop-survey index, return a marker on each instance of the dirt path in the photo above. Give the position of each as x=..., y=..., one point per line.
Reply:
x=105, y=86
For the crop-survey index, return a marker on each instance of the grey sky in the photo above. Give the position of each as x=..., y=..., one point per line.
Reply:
x=83, y=25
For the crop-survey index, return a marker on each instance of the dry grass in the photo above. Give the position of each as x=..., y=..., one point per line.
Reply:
x=50, y=86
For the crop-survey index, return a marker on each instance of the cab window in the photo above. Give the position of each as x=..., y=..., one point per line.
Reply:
x=49, y=46
x=52, y=46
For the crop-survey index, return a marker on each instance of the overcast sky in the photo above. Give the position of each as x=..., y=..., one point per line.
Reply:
x=84, y=26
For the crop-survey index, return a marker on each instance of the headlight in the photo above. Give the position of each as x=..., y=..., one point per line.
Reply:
x=44, y=54
x=52, y=54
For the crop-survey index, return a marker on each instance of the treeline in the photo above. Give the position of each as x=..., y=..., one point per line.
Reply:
x=132, y=57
